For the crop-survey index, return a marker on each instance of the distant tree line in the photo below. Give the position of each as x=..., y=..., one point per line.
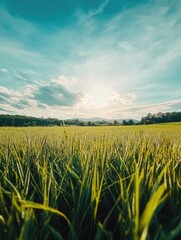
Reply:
x=20, y=121
x=23, y=121
x=161, y=118
x=129, y=122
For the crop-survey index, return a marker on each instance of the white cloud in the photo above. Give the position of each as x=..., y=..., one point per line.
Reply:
x=9, y=94
x=125, y=99
x=15, y=100
x=55, y=94
x=3, y=70
x=58, y=93
x=65, y=81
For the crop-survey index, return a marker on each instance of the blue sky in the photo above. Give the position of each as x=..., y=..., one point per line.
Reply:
x=90, y=58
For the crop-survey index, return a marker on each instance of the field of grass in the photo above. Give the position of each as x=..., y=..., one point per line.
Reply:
x=90, y=183
x=169, y=124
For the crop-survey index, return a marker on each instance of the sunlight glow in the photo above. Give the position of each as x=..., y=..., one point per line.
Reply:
x=100, y=95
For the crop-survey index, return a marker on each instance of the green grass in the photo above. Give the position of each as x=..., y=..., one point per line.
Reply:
x=90, y=183
x=169, y=124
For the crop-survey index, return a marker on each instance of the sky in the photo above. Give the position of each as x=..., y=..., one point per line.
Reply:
x=115, y=59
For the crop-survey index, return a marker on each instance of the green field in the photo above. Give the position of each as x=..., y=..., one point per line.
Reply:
x=169, y=124
x=90, y=183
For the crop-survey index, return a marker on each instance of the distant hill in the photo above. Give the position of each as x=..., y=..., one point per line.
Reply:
x=98, y=119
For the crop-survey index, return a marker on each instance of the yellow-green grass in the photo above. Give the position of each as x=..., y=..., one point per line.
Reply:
x=90, y=182
x=170, y=124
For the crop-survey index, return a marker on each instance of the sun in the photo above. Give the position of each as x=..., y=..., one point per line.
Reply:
x=100, y=95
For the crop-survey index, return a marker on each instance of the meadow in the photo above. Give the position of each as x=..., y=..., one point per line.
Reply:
x=90, y=183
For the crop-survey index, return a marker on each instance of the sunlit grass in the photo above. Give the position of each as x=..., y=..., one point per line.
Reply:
x=90, y=182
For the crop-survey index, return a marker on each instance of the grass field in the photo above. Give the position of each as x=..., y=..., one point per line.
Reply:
x=169, y=124
x=90, y=183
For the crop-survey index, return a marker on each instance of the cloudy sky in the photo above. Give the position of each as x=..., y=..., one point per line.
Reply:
x=90, y=58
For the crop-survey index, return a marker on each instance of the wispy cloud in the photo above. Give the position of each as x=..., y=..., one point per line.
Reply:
x=140, y=110
x=125, y=99
x=90, y=14
x=4, y=70
x=65, y=81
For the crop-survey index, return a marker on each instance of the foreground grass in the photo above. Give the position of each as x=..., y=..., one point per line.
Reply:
x=90, y=183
